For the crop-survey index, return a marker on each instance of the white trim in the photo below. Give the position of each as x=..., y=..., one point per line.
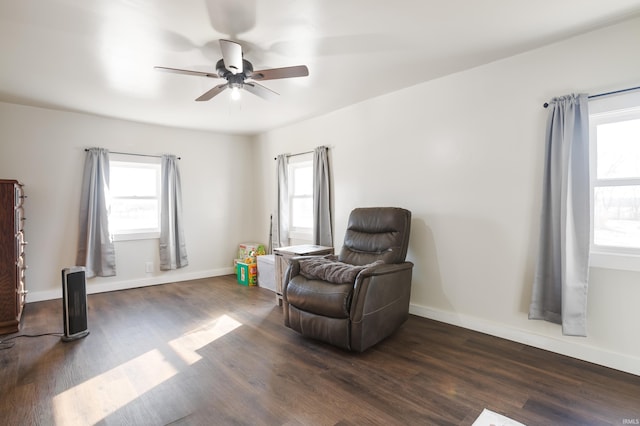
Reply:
x=618, y=361
x=152, y=235
x=301, y=234
x=39, y=296
x=150, y=163
x=612, y=109
x=619, y=261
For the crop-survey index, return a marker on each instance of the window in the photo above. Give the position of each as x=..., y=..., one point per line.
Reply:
x=615, y=178
x=134, y=188
x=301, y=200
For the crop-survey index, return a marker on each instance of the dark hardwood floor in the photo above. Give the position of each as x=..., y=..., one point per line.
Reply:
x=211, y=352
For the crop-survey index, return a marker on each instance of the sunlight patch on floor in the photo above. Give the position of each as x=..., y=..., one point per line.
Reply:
x=97, y=398
x=187, y=345
x=100, y=396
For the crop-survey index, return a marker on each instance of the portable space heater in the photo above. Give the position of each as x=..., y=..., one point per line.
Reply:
x=74, y=303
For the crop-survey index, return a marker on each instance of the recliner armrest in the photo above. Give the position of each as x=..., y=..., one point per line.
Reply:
x=380, y=286
x=383, y=269
x=380, y=303
x=292, y=270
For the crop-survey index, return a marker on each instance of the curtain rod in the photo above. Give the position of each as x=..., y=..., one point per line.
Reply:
x=137, y=155
x=615, y=92
x=295, y=155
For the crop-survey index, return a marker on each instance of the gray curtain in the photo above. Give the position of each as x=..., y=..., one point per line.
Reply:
x=560, y=284
x=173, y=251
x=281, y=222
x=95, y=246
x=322, y=234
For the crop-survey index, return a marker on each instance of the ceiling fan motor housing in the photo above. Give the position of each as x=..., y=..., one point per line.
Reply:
x=223, y=72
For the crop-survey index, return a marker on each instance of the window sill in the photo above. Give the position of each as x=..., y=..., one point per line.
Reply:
x=136, y=236
x=619, y=261
x=301, y=234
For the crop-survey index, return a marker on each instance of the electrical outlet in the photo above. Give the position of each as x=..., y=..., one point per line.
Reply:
x=148, y=267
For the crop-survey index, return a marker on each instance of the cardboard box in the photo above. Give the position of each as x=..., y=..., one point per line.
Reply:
x=247, y=274
x=250, y=250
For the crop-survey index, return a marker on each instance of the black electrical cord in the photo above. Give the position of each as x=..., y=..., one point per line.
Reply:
x=7, y=343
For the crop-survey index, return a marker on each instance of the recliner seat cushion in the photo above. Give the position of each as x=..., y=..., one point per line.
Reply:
x=320, y=297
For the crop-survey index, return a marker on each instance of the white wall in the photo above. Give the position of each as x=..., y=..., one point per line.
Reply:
x=465, y=154
x=44, y=149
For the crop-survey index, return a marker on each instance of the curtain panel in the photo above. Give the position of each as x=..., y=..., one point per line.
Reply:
x=96, y=251
x=559, y=292
x=173, y=250
x=281, y=223
x=322, y=225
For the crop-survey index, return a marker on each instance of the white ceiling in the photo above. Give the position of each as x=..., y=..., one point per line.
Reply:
x=97, y=56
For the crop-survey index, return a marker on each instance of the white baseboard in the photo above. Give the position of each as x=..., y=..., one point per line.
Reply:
x=627, y=363
x=104, y=287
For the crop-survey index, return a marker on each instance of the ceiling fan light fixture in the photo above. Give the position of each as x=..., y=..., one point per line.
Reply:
x=235, y=93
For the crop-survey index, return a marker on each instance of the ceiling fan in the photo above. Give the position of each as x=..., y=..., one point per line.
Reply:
x=239, y=73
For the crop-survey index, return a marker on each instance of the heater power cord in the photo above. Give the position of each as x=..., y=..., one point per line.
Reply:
x=8, y=342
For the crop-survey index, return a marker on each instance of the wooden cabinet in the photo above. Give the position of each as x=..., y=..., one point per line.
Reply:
x=282, y=256
x=12, y=258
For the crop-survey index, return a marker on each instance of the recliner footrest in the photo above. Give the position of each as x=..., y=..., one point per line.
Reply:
x=331, y=330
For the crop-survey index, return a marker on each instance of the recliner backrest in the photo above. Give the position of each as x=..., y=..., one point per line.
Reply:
x=376, y=233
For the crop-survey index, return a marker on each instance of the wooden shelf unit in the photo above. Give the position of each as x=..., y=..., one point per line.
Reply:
x=12, y=255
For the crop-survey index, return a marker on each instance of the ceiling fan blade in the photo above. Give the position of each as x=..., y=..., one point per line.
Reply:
x=213, y=92
x=232, y=55
x=286, y=72
x=260, y=90
x=187, y=72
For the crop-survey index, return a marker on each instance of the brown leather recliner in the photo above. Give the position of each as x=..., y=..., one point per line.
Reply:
x=362, y=296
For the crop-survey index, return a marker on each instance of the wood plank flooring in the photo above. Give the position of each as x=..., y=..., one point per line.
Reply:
x=212, y=352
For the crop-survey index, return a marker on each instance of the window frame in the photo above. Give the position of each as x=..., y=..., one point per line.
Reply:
x=301, y=161
x=146, y=162
x=610, y=110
